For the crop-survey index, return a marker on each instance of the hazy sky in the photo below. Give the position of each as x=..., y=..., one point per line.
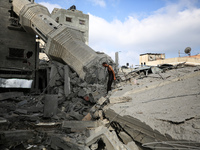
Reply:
x=135, y=27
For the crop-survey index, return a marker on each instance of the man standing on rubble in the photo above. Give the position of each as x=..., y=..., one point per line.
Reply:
x=111, y=75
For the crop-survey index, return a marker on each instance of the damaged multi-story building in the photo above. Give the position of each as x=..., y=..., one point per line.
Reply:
x=73, y=18
x=151, y=107
x=19, y=49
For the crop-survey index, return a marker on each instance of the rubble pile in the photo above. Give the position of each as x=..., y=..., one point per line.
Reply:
x=43, y=121
x=158, y=110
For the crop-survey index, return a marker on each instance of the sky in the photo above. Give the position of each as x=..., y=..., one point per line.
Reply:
x=134, y=27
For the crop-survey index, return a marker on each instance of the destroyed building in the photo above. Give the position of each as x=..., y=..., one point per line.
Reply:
x=151, y=107
x=73, y=18
x=19, y=51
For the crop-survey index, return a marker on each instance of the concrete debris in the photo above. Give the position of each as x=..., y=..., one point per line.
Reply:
x=119, y=99
x=8, y=95
x=109, y=138
x=161, y=109
x=50, y=105
x=129, y=117
x=79, y=125
x=66, y=107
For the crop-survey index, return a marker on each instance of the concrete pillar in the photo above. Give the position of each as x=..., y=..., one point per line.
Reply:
x=67, y=81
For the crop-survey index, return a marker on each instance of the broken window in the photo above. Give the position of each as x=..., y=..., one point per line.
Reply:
x=14, y=19
x=68, y=19
x=57, y=20
x=82, y=22
x=16, y=53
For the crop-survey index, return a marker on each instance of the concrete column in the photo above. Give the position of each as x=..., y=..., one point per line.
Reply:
x=67, y=81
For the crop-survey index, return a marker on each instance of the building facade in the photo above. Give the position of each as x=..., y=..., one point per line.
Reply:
x=154, y=59
x=18, y=49
x=73, y=18
x=150, y=57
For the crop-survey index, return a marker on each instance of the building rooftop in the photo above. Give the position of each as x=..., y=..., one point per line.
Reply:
x=152, y=54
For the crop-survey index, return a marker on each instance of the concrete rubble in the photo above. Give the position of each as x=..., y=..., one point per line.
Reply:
x=148, y=108
x=164, y=107
x=153, y=112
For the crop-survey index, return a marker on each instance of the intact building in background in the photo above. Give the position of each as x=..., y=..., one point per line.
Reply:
x=154, y=59
x=150, y=57
x=73, y=18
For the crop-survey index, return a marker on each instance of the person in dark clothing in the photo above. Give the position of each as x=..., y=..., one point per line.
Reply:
x=111, y=75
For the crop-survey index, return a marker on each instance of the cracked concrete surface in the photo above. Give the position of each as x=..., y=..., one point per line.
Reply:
x=169, y=108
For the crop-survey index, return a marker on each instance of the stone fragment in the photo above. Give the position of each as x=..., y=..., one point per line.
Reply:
x=132, y=146
x=79, y=124
x=65, y=143
x=50, y=105
x=67, y=89
x=119, y=99
x=125, y=137
x=20, y=111
x=8, y=95
x=17, y=135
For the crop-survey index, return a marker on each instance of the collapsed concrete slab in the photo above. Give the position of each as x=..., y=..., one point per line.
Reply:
x=161, y=110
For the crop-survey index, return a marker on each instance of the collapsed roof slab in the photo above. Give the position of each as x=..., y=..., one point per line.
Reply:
x=163, y=110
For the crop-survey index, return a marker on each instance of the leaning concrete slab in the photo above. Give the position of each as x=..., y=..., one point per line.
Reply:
x=164, y=110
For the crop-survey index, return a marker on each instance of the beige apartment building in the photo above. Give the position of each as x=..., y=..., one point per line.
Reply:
x=154, y=59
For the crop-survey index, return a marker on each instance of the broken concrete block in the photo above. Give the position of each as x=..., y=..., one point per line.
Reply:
x=66, y=143
x=119, y=99
x=82, y=92
x=20, y=111
x=101, y=100
x=75, y=115
x=53, y=75
x=50, y=105
x=88, y=117
x=22, y=103
x=8, y=95
x=17, y=135
x=60, y=91
x=125, y=137
x=79, y=124
x=131, y=145
x=109, y=138
x=67, y=89
x=2, y=120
